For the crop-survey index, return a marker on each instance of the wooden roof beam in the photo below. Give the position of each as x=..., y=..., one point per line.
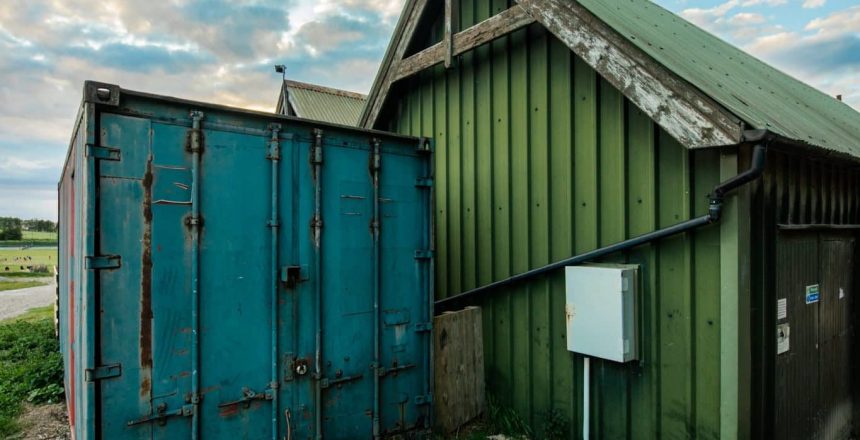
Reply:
x=499, y=25
x=414, y=9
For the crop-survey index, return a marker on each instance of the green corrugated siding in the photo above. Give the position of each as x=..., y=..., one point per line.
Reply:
x=537, y=159
x=326, y=107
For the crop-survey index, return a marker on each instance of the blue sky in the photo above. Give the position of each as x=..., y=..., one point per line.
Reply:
x=223, y=51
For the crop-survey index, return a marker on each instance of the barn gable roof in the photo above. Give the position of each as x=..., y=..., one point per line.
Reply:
x=700, y=89
x=320, y=103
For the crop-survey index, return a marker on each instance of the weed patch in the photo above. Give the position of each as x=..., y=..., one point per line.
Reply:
x=31, y=367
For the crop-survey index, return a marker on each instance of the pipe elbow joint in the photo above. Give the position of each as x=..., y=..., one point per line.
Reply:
x=715, y=210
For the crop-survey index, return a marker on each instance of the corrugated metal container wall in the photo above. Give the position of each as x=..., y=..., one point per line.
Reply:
x=539, y=159
x=805, y=221
x=231, y=274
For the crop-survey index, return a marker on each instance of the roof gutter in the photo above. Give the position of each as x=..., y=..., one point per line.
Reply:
x=760, y=138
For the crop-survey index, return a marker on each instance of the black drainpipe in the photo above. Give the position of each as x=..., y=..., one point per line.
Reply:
x=715, y=209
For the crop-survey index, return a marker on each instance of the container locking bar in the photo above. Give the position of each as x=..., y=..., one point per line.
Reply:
x=338, y=381
x=162, y=414
x=382, y=371
x=248, y=396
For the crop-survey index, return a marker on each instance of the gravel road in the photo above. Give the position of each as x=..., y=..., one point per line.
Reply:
x=16, y=302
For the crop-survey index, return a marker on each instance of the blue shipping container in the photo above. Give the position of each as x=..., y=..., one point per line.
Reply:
x=235, y=274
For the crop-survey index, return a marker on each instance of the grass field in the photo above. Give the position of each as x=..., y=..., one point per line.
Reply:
x=14, y=285
x=13, y=259
x=33, y=238
x=37, y=235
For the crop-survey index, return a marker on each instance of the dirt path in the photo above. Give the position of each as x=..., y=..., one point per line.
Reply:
x=44, y=422
x=16, y=302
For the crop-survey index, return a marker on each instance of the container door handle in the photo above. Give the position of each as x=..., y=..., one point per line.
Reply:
x=249, y=395
x=162, y=414
x=325, y=383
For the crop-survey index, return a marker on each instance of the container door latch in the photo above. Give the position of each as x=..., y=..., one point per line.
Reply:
x=102, y=372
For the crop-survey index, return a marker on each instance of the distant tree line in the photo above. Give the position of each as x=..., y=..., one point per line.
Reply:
x=12, y=228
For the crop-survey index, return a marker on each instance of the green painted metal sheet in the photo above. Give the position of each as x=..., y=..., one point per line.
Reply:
x=761, y=95
x=538, y=158
x=325, y=104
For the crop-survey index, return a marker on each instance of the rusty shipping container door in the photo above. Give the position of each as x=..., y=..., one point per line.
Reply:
x=815, y=287
x=232, y=274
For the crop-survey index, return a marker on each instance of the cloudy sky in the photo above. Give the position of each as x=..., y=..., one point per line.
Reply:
x=223, y=51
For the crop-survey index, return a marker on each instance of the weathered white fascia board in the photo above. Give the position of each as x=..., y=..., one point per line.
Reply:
x=688, y=115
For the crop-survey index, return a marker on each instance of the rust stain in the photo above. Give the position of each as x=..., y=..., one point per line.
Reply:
x=228, y=411
x=209, y=389
x=146, y=282
x=569, y=313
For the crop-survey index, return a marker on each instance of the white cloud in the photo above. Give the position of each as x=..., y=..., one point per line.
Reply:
x=749, y=3
x=811, y=4
x=746, y=18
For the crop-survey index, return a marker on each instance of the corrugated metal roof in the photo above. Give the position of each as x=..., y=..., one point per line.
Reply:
x=759, y=94
x=320, y=103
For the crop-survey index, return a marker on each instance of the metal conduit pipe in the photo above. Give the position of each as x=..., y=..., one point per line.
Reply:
x=375, y=164
x=715, y=208
x=194, y=224
x=274, y=155
x=316, y=160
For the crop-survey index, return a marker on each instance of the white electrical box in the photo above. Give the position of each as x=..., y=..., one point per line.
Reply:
x=602, y=312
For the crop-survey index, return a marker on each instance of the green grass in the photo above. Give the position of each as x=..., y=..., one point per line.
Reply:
x=39, y=235
x=26, y=257
x=31, y=367
x=13, y=285
x=34, y=315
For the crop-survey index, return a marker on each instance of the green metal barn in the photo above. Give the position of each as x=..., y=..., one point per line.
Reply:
x=563, y=127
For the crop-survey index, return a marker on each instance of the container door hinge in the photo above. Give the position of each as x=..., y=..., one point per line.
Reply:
x=102, y=372
x=423, y=327
x=99, y=262
x=102, y=153
x=423, y=254
x=424, y=399
x=162, y=414
x=424, y=182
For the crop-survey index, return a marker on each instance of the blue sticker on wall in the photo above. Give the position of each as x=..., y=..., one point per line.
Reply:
x=812, y=294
